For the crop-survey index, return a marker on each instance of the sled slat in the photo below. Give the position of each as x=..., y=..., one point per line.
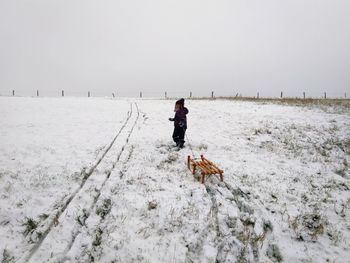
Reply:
x=211, y=163
x=204, y=168
x=211, y=168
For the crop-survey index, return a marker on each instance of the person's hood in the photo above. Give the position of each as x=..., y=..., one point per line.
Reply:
x=181, y=102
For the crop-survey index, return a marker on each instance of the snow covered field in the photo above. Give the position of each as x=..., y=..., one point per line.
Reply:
x=97, y=180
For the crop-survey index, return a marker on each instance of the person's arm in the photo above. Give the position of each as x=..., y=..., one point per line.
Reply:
x=173, y=119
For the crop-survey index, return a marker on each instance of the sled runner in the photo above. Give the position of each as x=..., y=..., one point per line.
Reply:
x=206, y=167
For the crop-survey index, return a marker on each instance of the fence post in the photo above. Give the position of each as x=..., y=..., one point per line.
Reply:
x=257, y=95
x=62, y=93
x=166, y=96
x=190, y=94
x=88, y=93
x=345, y=95
x=140, y=94
x=113, y=95
x=304, y=94
x=212, y=94
x=37, y=93
x=13, y=92
x=325, y=95
x=281, y=94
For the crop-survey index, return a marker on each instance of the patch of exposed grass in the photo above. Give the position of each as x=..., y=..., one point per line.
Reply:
x=30, y=225
x=43, y=216
x=7, y=257
x=335, y=236
x=171, y=158
x=97, y=238
x=202, y=146
x=81, y=218
x=341, y=171
x=273, y=252
x=308, y=226
x=104, y=208
x=258, y=131
x=346, y=146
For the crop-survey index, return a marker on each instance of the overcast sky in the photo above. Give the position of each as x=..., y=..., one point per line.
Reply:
x=177, y=46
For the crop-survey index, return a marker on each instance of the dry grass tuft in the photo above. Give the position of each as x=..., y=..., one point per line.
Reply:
x=307, y=227
x=30, y=225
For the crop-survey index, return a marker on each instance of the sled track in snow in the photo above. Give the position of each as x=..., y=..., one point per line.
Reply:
x=223, y=240
x=87, y=175
x=195, y=250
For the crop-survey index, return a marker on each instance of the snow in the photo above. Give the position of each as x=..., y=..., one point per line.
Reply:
x=103, y=182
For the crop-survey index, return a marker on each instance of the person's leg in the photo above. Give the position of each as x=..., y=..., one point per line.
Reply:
x=176, y=135
x=182, y=137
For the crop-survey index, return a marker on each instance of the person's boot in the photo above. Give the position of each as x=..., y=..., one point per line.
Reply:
x=180, y=145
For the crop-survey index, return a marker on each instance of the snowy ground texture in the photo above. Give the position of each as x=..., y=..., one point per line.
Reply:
x=97, y=180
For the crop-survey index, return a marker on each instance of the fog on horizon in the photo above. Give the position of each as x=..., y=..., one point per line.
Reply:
x=180, y=46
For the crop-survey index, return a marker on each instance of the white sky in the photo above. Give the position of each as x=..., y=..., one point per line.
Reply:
x=178, y=46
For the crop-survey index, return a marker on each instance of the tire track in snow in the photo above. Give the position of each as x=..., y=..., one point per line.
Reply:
x=78, y=253
x=108, y=176
x=71, y=250
x=55, y=216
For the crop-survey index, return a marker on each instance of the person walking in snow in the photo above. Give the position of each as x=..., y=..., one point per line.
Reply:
x=180, y=123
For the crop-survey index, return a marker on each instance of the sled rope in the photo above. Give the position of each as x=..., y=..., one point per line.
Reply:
x=190, y=144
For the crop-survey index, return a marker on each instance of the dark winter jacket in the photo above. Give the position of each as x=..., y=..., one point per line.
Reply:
x=180, y=118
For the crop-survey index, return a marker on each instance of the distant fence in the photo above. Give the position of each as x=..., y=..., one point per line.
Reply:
x=190, y=94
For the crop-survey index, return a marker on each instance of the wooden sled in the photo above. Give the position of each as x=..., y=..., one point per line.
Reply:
x=205, y=166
